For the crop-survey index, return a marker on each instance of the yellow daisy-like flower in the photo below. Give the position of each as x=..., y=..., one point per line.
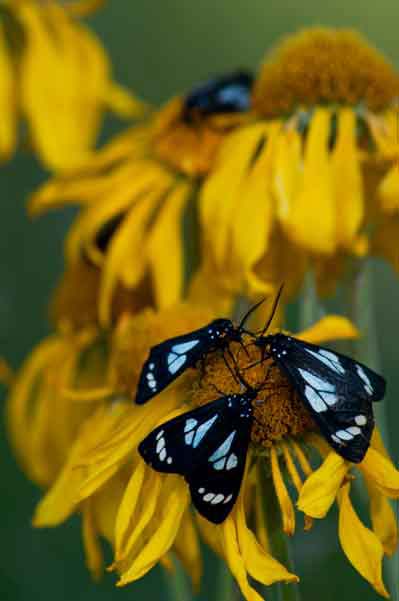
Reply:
x=55, y=72
x=137, y=197
x=302, y=179
x=146, y=515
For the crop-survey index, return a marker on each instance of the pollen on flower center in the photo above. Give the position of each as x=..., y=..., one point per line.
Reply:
x=324, y=65
x=278, y=412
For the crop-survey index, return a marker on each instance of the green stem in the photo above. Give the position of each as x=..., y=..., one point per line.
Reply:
x=279, y=542
x=310, y=309
x=225, y=586
x=177, y=584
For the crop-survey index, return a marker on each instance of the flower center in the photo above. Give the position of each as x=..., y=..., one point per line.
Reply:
x=277, y=410
x=322, y=65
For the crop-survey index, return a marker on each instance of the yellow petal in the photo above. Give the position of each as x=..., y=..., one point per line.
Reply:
x=360, y=545
x=64, y=117
x=321, y=488
x=388, y=191
x=128, y=506
x=123, y=103
x=234, y=559
x=83, y=8
x=346, y=172
x=253, y=215
x=383, y=519
x=381, y=471
x=91, y=544
x=258, y=563
x=170, y=514
x=286, y=506
x=312, y=220
x=8, y=122
x=331, y=327
x=188, y=549
x=287, y=173
x=126, y=258
x=220, y=194
x=165, y=248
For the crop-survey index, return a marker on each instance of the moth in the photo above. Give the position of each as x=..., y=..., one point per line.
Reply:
x=208, y=446
x=336, y=390
x=169, y=359
x=225, y=94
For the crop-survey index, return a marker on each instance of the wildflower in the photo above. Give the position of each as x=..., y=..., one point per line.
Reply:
x=136, y=195
x=56, y=74
x=293, y=186
x=147, y=511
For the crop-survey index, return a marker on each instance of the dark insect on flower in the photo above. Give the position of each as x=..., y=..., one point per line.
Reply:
x=337, y=391
x=208, y=446
x=169, y=359
x=225, y=94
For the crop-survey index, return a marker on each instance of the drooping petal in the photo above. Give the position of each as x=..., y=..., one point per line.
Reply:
x=381, y=471
x=312, y=220
x=321, y=488
x=383, y=519
x=360, y=545
x=188, y=549
x=347, y=179
x=286, y=506
x=253, y=214
x=91, y=544
x=220, y=193
x=331, y=327
x=234, y=559
x=172, y=506
x=258, y=563
x=165, y=248
x=388, y=191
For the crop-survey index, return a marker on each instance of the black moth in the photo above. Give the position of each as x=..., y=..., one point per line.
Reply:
x=169, y=359
x=337, y=391
x=208, y=446
x=225, y=94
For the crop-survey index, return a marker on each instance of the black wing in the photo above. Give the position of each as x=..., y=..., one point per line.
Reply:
x=208, y=446
x=337, y=390
x=170, y=359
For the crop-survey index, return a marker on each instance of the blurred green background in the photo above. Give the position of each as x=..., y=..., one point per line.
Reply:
x=158, y=49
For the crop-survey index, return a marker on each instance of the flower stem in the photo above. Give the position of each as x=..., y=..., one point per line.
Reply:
x=278, y=541
x=225, y=586
x=177, y=584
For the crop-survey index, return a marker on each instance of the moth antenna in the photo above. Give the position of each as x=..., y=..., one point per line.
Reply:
x=274, y=308
x=248, y=313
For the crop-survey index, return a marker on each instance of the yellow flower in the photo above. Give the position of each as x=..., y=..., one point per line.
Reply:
x=136, y=196
x=146, y=515
x=285, y=183
x=55, y=72
x=293, y=186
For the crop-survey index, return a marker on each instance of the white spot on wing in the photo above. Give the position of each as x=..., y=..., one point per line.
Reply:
x=361, y=420
x=160, y=445
x=344, y=435
x=315, y=400
x=190, y=424
x=329, y=359
x=176, y=362
x=162, y=455
x=224, y=448
x=354, y=430
x=362, y=374
x=202, y=430
x=232, y=462
x=184, y=346
x=316, y=382
x=329, y=397
x=208, y=497
x=227, y=499
x=188, y=439
x=218, y=499
x=219, y=465
x=160, y=433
